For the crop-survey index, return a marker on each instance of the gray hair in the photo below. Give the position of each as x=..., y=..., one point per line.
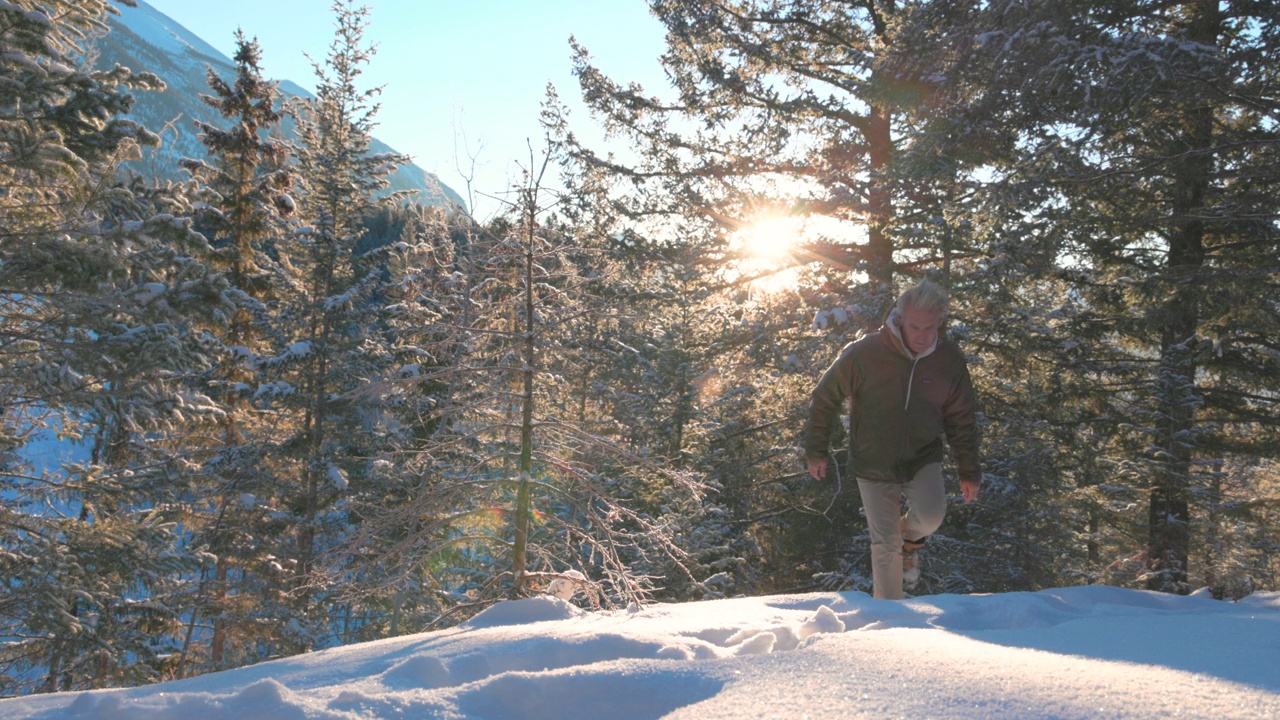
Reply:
x=925, y=295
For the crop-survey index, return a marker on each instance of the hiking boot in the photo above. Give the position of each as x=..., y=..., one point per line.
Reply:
x=911, y=562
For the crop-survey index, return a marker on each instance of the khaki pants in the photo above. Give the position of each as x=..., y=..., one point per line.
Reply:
x=882, y=502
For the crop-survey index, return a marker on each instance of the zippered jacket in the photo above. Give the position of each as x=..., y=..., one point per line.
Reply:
x=900, y=407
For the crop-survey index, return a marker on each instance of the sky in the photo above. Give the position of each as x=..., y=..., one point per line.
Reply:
x=460, y=78
x=1066, y=653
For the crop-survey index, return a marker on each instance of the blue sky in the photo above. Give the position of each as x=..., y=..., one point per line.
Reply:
x=450, y=67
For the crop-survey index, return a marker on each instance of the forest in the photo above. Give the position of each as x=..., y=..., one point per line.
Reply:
x=313, y=413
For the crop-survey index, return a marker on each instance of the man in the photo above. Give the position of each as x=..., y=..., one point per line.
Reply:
x=904, y=387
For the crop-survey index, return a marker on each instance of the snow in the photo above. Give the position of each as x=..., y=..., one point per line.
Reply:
x=149, y=291
x=277, y=388
x=337, y=477
x=567, y=586
x=1083, y=652
x=159, y=30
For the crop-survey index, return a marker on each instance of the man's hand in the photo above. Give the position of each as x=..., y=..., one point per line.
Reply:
x=968, y=488
x=818, y=467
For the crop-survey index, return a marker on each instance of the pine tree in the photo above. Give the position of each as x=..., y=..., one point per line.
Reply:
x=244, y=197
x=710, y=366
x=101, y=282
x=797, y=109
x=328, y=343
x=782, y=107
x=687, y=374
x=1127, y=149
x=518, y=480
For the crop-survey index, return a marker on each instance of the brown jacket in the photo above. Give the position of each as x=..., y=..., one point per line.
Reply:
x=900, y=407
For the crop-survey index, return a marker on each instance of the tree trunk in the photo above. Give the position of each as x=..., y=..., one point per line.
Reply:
x=880, y=205
x=524, y=500
x=218, y=644
x=1169, y=513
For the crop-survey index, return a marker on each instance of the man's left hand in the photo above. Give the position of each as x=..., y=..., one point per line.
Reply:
x=969, y=489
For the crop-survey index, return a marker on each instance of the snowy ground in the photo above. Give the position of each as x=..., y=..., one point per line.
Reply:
x=1086, y=652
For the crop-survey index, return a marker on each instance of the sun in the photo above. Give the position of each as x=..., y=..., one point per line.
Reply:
x=769, y=238
x=765, y=248
x=772, y=250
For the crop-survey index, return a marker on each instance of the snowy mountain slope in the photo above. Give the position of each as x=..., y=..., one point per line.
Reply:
x=1068, y=653
x=163, y=33
x=143, y=38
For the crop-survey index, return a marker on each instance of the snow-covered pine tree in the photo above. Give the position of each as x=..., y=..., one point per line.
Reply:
x=516, y=479
x=1129, y=148
x=671, y=382
x=779, y=106
x=424, y=302
x=100, y=284
x=241, y=204
x=1237, y=539
x=792, y=108
x=328, y=343
x=709, y=367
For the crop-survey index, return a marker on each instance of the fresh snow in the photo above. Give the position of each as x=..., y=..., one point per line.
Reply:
x=300, y=349
x=159, y=30
x=149, y=291
x=277, y=388
x=1082, y=652
x=337, y=477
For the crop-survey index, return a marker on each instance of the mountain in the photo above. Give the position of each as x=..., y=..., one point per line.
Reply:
x=144, y=38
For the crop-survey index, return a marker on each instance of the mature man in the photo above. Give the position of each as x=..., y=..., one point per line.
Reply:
x=904, y=387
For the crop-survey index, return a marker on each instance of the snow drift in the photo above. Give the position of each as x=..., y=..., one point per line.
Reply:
x=1085, y=652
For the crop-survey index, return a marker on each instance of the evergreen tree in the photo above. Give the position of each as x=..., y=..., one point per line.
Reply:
x=694, y=374
x=517, y=480
x=100, y=286
x=780, y=107
x=797, y=109
x=328, y=345
x=1126, y=154
x=243, y=200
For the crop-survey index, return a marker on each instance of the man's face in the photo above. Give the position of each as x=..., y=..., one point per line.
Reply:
x=919, y=328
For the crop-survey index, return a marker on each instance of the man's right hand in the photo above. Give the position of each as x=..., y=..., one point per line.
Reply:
x=818, y=468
